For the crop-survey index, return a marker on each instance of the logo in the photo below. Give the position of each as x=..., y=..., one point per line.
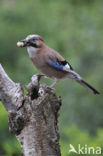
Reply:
x=84, y=149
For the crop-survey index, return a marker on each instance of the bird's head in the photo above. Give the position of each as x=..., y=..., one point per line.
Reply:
x=34, y=41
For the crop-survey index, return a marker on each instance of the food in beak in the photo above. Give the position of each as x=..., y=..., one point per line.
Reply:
x=20, y=44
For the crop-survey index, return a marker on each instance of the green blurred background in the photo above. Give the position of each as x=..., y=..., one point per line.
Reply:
x=75, y=29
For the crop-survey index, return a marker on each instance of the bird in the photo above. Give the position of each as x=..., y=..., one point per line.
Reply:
x=49, y=62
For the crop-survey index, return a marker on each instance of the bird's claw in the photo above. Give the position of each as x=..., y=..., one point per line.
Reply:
x=40, y=76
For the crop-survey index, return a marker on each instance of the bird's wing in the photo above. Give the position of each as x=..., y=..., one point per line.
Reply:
x=56, y=61
x=60, y=65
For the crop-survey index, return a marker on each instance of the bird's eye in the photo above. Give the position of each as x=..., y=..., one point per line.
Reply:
x=33, y=39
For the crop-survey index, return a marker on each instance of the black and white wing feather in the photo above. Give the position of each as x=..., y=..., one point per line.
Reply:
x=65, y=66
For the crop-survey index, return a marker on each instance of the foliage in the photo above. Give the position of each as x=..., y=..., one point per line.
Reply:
x=8, y=144
x=75, y=29
x=75, y=136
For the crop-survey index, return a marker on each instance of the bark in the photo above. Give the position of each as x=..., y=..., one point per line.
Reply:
x=33, y=118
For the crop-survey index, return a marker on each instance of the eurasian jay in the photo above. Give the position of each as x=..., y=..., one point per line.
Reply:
x=50, y=62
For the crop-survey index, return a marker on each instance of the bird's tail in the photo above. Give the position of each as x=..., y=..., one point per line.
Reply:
x=85, y=84
x=73, y=75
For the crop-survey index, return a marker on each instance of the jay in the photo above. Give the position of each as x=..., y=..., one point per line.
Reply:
x=50, y=62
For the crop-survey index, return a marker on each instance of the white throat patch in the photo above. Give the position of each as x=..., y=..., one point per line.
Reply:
x=31, y=51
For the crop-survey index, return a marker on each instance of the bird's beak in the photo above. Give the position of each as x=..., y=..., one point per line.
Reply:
x=23, y=43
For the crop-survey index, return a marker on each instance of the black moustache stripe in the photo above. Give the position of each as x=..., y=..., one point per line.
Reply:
x=33, y=45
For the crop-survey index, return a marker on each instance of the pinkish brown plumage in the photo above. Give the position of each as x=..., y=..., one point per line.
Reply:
x=50, y=62
x=40, y=60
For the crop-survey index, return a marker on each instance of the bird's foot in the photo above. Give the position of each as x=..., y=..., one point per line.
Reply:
x=51, y=88
x=54, y=83
x=40, y=76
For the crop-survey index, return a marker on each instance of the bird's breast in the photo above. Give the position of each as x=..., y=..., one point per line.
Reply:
x=31, y=51
x=47, y=70
x=40, y=60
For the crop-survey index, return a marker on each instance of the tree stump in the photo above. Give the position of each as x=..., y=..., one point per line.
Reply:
x=33, y=118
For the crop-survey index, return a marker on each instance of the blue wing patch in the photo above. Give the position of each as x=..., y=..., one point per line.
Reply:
x=56, y=65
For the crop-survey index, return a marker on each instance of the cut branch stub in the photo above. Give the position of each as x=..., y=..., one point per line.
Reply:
x=42, y=124
x=11, y=94
x=33, y=118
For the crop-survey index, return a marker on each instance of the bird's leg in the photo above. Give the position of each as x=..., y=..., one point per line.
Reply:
x=54, y=83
